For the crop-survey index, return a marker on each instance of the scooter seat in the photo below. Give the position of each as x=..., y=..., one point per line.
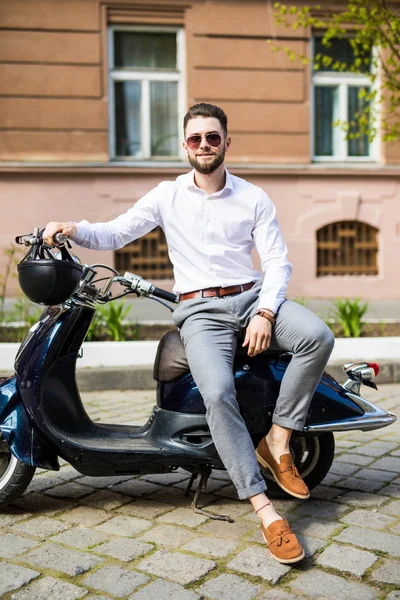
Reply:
x=171, y=361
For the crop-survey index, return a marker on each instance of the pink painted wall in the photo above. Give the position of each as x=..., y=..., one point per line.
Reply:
x=305, y=202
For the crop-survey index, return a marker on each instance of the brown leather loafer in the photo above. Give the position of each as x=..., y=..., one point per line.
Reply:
x=282, y=542
x=285, y=473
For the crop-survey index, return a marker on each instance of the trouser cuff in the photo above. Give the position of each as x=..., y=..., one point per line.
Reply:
x=288, y=423
x=253, y=490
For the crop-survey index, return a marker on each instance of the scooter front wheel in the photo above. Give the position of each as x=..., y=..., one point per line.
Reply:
x=15, y=475
x=313, y=456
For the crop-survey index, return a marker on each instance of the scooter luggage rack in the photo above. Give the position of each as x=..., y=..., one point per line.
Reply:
x=202, y=487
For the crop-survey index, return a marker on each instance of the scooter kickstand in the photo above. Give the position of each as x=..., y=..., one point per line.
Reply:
x=202, y=486
x=193, y=478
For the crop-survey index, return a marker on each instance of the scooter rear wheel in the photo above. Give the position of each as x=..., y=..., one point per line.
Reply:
x=313, y=456
x=15, y=475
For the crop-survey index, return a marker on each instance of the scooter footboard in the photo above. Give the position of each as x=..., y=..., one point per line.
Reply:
x=19, y=432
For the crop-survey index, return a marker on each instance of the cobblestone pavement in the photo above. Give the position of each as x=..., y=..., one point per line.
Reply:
x=71, y=536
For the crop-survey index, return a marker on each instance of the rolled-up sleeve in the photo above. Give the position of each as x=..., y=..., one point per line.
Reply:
x=273, y=255
x=137, y=221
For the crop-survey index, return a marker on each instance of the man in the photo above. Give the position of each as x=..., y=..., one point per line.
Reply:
x=212, y=220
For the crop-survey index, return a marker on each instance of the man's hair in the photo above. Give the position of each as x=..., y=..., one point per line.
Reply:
x=206, y=110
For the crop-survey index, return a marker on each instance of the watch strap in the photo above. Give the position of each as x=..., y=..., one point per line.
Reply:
x=266, y=315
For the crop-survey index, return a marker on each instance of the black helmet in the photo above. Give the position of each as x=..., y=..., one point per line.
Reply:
x=45, y=279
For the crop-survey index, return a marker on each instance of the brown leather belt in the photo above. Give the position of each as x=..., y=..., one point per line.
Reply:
x=217, y=292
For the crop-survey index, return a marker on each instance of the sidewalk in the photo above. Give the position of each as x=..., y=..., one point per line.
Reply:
x=131, y=538
x=129, y=365
x=147, y=310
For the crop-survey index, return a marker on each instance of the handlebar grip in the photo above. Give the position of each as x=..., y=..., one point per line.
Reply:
x=60, y=238
x=159, y=293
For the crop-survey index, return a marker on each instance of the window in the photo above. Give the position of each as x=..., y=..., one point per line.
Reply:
x=347, y=248
x=148, y=256
x=336, y=97
x=146, y=92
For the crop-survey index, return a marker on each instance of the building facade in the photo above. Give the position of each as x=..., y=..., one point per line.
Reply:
x=92, y=97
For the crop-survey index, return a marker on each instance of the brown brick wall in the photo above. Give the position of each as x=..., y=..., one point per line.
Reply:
x=52, y=102
x=265, y=95
x=50, y=15
x=54, y=76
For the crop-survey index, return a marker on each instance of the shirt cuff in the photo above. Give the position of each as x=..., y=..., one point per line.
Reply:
x=269, y=302
x=80, y=236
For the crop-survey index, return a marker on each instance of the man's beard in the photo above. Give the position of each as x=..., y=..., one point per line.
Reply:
x=207, y=168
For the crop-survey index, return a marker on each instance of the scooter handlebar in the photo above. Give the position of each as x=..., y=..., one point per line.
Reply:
x=159, y=293
x=30, y=239
x=60, y=238
x=146, y=288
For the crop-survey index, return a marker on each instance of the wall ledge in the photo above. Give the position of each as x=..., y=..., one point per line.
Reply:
x=312, y=169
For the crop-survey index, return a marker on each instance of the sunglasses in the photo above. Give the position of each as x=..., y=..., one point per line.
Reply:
x=194, y=141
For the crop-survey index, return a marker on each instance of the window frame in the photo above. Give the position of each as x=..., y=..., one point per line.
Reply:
x=342, y=81
x=145, y=76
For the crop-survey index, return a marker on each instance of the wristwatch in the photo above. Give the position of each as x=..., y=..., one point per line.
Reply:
x=266, y=315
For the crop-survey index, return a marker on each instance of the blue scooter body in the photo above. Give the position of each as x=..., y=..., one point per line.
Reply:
x=19, y=432
x=42, y=416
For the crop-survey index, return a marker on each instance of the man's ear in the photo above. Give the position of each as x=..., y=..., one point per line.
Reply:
x=228, y=142
x=184, y=146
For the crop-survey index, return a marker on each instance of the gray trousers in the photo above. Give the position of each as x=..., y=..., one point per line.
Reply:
x=210, y=328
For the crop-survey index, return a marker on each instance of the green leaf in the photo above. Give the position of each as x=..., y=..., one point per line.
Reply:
x=378, y=24
x=349, y=314
x=109, y=318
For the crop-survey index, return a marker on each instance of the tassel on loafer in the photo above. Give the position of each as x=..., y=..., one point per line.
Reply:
x=285, y=473
x=282, y=542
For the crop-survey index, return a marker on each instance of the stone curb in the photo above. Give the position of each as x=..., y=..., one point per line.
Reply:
x=141, y=378
x=143, y=353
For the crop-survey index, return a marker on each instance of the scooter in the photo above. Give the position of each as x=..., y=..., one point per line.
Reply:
x=42, y=416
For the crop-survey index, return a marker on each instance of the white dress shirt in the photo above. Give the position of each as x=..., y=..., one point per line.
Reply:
x=210, y=238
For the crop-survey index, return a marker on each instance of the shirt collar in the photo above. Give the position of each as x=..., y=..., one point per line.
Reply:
x=190, y=182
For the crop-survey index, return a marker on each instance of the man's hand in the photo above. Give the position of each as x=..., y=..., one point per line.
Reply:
x=258, y=335
x=68, y=229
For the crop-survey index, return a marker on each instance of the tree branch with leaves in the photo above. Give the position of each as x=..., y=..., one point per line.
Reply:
x=373, y=30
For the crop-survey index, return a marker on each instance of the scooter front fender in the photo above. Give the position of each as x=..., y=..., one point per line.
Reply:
x=19, y=432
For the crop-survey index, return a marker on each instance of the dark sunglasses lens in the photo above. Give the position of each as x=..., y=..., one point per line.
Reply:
x=213, y=139
x=193, y=142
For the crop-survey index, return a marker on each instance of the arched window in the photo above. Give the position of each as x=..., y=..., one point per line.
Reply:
x=347, y=248
x=147, y=256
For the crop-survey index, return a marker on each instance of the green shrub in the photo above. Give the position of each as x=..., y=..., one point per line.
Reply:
x=11, y=252
x=107, y=324
x=24, y=310
x=349, y=313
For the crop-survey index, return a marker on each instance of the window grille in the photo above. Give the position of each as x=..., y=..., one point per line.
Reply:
x=347, y=248
x=147, y=256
